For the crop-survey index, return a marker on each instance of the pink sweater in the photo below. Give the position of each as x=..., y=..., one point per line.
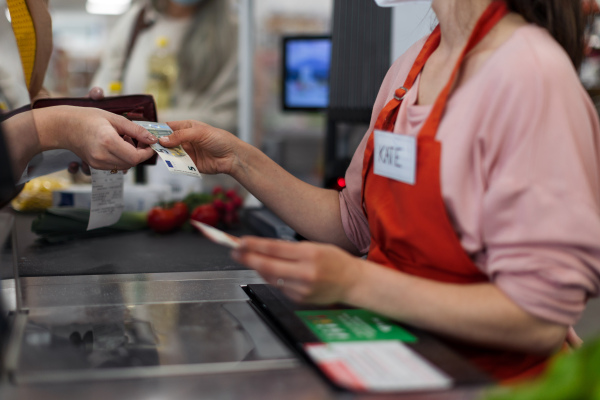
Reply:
x=519, y=172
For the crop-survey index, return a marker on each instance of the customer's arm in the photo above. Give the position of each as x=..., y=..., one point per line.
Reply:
x=101, y=139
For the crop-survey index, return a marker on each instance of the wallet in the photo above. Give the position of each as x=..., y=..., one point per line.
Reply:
x=135, y=107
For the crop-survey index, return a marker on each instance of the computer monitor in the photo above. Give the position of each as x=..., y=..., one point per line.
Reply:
x=306, y=61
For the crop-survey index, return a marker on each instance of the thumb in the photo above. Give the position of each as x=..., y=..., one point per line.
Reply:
x=178, y=137
x=127, y=128
x=178, y=125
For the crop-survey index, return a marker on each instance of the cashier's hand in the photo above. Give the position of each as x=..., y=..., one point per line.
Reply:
x=305, y=271
x=100, y=138
x=213, y=150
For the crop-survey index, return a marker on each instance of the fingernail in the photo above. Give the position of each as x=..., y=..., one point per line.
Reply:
x=152, y=138
x=165, y=139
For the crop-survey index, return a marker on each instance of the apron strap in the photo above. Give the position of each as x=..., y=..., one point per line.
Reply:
x=388, y=115
x=488, y=20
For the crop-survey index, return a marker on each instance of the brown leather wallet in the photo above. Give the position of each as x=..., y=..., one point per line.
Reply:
x=135, y=107
x=138, y=107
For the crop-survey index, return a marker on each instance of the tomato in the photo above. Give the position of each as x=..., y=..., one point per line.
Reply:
x=181, y=212
x=219, y=204
x=237, y=202
x=231, y=193
x=207, y=214
x=161, y=220
x=229, y=207
x=217, y=190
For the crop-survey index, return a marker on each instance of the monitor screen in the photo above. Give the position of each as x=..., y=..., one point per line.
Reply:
x=306, y=61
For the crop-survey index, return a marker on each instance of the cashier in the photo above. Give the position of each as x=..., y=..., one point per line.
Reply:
x=475, y=193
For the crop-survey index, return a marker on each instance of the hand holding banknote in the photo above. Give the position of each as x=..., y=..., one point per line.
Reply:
x=100, y=138
x=211, y=149
x=175, y=158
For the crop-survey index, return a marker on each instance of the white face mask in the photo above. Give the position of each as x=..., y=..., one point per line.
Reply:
x=392, y=3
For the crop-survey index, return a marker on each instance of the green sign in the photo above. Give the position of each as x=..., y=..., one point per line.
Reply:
x=352, y=325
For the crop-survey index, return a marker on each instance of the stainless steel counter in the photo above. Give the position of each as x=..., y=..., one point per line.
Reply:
x=172, y=335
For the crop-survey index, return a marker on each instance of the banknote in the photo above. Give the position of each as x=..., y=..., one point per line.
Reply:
x=175, y=158
x=216, y=235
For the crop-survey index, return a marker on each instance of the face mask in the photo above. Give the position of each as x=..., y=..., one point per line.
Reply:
x=187, y=2
x=392, y=3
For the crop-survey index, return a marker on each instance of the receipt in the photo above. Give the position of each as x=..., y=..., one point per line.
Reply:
x=107, y=198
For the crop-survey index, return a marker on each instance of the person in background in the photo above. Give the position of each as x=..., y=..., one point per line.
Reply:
x=101, y=139
x=475, y=193
x=201, y=35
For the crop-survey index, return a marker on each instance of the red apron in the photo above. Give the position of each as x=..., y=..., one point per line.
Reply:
x=409, y=226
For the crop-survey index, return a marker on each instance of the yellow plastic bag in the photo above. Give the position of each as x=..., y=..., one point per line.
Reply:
x=37, y=193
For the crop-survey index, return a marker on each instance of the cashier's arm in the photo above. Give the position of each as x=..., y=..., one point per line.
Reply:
x=100, y=138
x=311, y=211
x=478, y=313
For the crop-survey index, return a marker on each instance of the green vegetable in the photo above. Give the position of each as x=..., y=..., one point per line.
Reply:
x=194, y=199
x=61, y=223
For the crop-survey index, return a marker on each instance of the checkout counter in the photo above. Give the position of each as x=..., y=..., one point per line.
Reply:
x=146, y=316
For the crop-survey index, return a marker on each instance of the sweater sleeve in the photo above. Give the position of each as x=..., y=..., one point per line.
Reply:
x=541, y=208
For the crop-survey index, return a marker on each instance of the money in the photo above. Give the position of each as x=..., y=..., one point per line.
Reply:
x=175, y=158
x=216, y=235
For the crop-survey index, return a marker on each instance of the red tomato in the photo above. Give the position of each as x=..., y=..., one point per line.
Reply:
x=161, y=220
x=207, y=214
x=217, y=190
x=229, y=207
x=181, y=212
x=237, y=201
x=219, y=204
x=230, y=193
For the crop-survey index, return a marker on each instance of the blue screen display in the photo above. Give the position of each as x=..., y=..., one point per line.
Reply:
x=307, y=62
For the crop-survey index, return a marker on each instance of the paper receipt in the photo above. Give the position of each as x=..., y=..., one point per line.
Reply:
x=107, y=198
x=175, y=158
x=216, y=235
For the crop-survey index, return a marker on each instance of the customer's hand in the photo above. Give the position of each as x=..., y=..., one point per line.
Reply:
x=95, y=93
x=101, y=139
x=213, y=150
x=304, y=271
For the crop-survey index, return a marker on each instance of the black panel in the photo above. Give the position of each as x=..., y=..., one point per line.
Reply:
x=360, y=53
x=360, y=59
x=279, y=311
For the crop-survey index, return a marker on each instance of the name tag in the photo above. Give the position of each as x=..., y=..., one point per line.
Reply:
x=395, y=156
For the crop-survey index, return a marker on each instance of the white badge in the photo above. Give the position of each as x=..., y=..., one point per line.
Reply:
x=395, y=156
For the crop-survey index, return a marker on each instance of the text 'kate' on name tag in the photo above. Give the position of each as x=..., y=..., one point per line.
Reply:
x=395, y=156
